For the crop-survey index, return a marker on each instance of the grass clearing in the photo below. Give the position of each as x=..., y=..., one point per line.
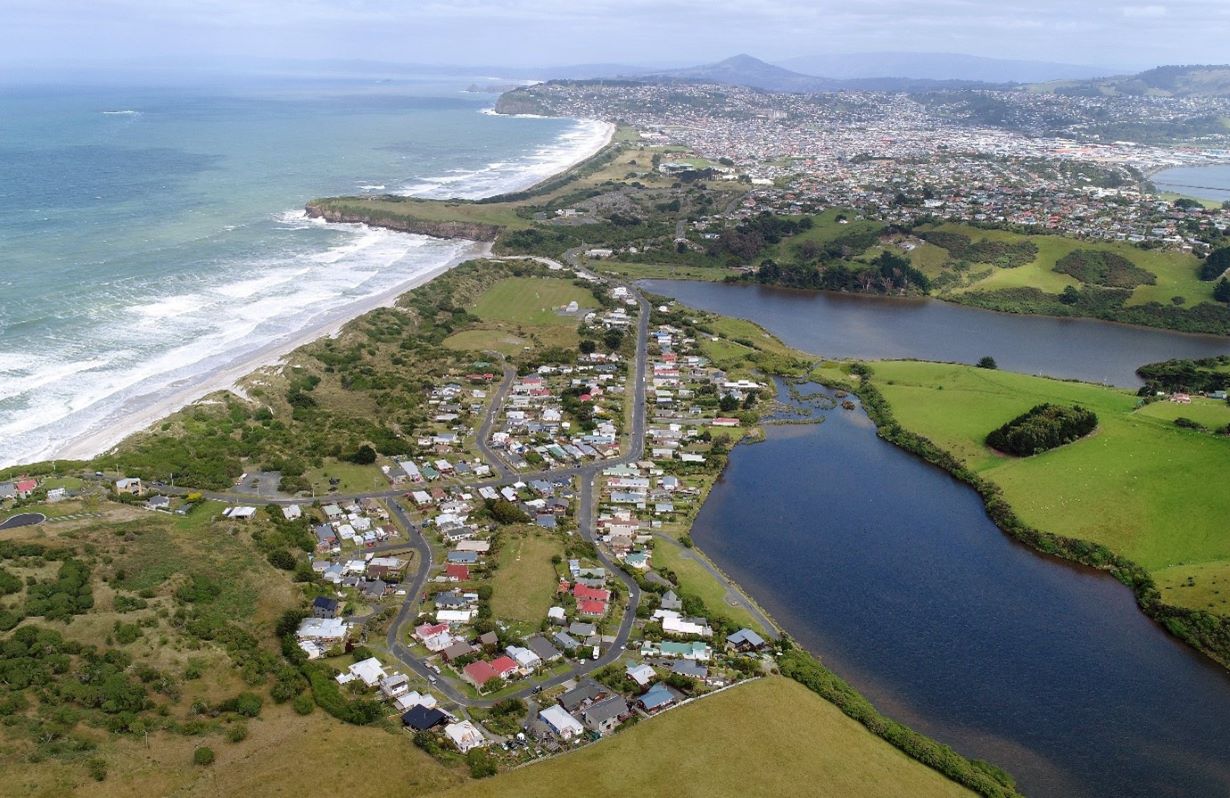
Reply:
x=354, y=478
x=487, y=340
x=532, y=301
x=768, y=737
x=1175, y=272
x=656, y=271
x=523, y=586
x=693, y=578
x=1139, y=484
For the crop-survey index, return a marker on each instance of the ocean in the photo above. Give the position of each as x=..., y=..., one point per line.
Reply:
x=149, y=238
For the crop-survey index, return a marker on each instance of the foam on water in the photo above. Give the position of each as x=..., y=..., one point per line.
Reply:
x=150, y=339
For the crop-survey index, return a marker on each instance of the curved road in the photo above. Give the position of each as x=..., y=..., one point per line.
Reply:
x=587, y=474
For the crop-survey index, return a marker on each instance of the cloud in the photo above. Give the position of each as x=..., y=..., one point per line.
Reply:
x=1144, y=12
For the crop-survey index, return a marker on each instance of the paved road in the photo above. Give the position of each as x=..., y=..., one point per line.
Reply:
x=587, y=474
x=496, y=459
x=23, y=519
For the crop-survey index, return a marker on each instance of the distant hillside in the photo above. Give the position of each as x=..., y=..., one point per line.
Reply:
x=1197, y=80
x=746, y=70
x=939, y=66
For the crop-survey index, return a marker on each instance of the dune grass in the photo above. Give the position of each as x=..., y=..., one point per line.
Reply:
x=1139, y=485
x=768, y=738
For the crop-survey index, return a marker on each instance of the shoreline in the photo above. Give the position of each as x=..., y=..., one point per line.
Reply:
x=111, y=431
x=138, y=413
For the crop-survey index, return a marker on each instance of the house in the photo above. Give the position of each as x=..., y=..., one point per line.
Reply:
x=240, y=513
x=562, y=724
x=55, y=495
x=317, y=635
x=658, y=698
x=463, y=557
x=129, y=485
x=642, y=674
x=368, y=671
x=421, y=718
x=394, y=686
x=602, y=717
x=489, y=640
x=324, y=607
x=455, y=616
x=465, y=735
x=527, y=661
x=694, y=650
x=326, y=538
x=292, y=512
x=580, y=629
x=457, y=650
x=745, y=640
x=670, y=601
x=584, y=694
x=543, y=649
x=566, y=641
x=455, y=572
x=25, y=487
x=557, y=616
x=504, y=666
x=594, y=609
x=478, y=673
x=160, y=503
x=412, y=699
x=675, y=624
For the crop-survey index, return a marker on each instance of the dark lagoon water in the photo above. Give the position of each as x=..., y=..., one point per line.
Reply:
x=1206, y=182
x=848, y=325
x=890, y=570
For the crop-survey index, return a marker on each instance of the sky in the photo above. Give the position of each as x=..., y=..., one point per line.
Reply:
x=1136, y=33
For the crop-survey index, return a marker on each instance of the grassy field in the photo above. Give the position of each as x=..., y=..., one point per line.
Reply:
x=825, y=228
x=768, y=738
x=487, y=340
x=524, y=585
x=656, y=271
x=1175, y=272
x=1139, y=485
x=693, y=578
x=532, y=301
x=354, y=478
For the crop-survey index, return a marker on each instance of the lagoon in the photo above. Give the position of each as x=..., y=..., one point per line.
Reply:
x=890, y=571
x=872, y=327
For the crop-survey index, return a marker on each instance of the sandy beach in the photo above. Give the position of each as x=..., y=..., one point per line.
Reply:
x=142, y=411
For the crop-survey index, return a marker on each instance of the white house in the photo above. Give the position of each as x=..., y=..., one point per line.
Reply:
x=465, y=735
x=560, y=722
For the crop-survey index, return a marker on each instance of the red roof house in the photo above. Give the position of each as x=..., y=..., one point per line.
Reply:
x=457, y=572
x=478, y=673
x=591, y=607
x=583, y=592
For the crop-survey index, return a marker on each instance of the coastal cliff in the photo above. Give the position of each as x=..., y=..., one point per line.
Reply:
x=521, y=101
x=358, y=210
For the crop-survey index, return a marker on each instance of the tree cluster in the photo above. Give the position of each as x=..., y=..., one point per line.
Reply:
x=1043, y=427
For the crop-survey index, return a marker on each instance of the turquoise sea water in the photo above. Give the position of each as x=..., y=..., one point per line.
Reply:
x=150, y=236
